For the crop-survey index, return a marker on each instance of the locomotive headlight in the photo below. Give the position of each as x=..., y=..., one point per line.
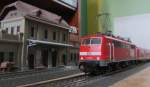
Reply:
x=81, y=58
x=97, y=58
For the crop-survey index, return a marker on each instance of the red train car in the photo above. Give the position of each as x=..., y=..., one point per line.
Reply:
x=101, y=51
x=143, y=54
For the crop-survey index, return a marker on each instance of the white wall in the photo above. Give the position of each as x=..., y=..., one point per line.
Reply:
x=136, y=27
x=14, y=22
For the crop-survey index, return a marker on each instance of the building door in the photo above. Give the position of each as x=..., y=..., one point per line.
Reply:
x=45, y=58
x=64, y=59
x=54, y=58
x=11, y=56
x=31, y=61
x=75, y=58
x=1, y=57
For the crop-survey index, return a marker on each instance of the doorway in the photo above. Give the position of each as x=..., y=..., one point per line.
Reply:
x=31, y=61
x=45, y=58
x=64, y=59
x=54, y=58
x=1, y=57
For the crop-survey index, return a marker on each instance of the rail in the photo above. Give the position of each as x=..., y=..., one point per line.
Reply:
x=54, y=82
x=8, y=75
x=75, y=80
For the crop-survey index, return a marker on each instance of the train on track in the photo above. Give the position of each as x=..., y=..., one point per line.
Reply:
x=100, y=52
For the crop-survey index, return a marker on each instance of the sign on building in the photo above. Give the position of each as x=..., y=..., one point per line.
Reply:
x=73, y=29
x=72, y=3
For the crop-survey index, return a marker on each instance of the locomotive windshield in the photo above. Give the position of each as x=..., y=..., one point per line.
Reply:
x=91, y=41
x=95, y=41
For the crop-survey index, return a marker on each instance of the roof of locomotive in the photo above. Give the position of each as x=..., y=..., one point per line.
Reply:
x=89, y=36
x=108, y=37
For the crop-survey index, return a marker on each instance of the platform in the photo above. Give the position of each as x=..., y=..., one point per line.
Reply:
x=140, y=79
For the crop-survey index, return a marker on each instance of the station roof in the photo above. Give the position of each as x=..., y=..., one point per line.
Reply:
x=49, y=43
x=49, y=5
x=32, y=11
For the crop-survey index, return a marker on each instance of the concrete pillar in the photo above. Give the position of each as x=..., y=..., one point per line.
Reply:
x=18, y=60
x=24, y=57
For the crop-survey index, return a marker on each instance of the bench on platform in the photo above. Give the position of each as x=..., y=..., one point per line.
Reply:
x=6, y=66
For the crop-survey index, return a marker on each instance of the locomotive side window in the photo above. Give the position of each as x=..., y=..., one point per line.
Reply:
x=132, y=47
x=125, y=45
x=117, y=44
x=95, y=41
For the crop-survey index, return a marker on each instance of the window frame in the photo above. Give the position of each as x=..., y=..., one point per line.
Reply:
x=7, y=29
x=64, y=37
x=2, y=55
x=32, y=31
x=85, y=43
x=45, y=34
x=12, y=30
x=18, y=29
x=11, y=58
x=95, y=43
x=54, y=35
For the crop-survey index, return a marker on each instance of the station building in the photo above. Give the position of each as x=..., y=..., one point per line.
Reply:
x=34, y=38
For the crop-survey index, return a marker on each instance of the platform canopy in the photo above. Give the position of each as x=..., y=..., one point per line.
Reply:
x=39, y=42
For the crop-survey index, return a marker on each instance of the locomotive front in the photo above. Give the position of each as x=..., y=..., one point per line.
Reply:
x=92, y=53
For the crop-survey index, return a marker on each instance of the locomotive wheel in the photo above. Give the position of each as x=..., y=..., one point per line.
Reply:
x=95, y=71
x=83, y=68
x=110, y=68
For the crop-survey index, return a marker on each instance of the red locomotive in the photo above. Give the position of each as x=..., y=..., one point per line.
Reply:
x=99, y=52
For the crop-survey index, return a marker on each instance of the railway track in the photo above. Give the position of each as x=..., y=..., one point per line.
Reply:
x=8, y=75
x=59, y=82
x=19, y=73
x=75, y=80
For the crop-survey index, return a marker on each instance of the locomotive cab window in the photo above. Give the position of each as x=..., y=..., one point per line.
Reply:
x=95, y=41
x=117, y=44
x=91, y=41
x=86, y=42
